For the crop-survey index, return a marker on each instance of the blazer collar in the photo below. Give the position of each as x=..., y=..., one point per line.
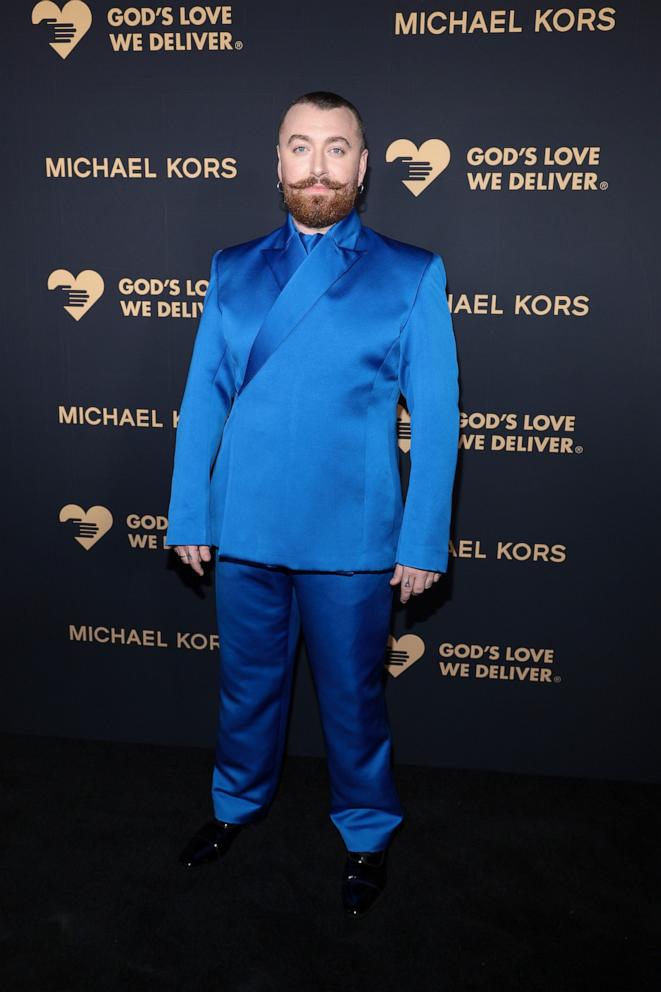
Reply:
x=301, y=279
x=286, y=253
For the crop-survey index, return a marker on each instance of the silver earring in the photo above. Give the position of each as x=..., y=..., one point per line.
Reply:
x=361, y=188
x=278, y=185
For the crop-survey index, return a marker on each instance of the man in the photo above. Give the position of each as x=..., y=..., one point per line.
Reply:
x=286, y=463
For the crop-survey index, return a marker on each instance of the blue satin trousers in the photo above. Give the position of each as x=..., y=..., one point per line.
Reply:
x=345, y=619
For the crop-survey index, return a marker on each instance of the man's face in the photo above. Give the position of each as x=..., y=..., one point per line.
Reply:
x=320, y=164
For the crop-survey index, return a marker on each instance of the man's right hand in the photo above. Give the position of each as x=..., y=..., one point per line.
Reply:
x=194, y=555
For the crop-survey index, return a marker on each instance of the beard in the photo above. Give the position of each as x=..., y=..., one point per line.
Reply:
x=319, y=209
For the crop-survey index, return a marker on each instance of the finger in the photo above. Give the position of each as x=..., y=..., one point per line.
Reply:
x=419, y=583
x=205, y=552
x=194, y=560
x=189, y=555
x=406, y=587
x=397, y=574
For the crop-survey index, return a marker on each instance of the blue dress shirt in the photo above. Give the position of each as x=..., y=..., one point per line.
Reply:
x=308, y=240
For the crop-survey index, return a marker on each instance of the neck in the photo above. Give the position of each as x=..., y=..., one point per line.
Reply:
x=304, y=229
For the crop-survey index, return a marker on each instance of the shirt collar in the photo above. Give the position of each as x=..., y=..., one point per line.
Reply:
x=292, y=227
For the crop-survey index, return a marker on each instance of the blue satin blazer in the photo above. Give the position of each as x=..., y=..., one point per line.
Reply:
x=286, y=445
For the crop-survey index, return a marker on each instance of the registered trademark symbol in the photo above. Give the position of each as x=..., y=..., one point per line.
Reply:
x=238, y=45
x=579, y=449
x=603, y=184
x=557, y=678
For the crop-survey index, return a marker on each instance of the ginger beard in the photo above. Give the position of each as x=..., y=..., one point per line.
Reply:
x=319, y=209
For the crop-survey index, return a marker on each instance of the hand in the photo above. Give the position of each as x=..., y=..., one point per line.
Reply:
x=194, y=555
x=414, y=580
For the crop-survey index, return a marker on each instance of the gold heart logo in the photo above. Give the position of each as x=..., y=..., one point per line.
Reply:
x=67, y=26
x=80, y=292
x=424, y=163
x=403, y=653
x=92, y=525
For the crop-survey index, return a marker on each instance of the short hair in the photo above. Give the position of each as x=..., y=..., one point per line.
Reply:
x=326, y=101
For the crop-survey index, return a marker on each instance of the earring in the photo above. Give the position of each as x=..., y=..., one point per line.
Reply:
x=361, y=188
x=278, y=186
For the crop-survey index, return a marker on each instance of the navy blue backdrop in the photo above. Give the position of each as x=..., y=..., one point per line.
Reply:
x=136, y=144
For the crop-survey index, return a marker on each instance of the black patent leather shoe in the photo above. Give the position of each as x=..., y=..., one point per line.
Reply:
x=209, y=843
x=363, y=880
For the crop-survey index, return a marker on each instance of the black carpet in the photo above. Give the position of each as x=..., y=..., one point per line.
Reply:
x=496, y=881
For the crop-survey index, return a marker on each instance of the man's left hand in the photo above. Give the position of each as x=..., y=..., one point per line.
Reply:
x=413, y=580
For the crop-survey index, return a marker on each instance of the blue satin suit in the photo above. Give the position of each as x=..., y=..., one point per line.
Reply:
x=286, y=462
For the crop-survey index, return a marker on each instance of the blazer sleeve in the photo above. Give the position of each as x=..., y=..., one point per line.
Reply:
x=207, y=397
x=428, y=378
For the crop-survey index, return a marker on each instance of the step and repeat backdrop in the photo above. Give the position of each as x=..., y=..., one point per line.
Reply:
x=137, y=141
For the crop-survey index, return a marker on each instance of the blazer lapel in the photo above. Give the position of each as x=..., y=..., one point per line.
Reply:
x=302, y=280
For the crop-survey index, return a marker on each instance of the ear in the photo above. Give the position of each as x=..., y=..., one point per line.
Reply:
x=362, y=168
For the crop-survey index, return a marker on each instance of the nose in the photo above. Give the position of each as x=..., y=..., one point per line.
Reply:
x=318, y=164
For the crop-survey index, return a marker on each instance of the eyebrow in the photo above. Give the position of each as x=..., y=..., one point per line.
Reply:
x=306, y=137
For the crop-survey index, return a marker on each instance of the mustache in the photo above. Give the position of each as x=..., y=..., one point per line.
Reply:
x=313, y=181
